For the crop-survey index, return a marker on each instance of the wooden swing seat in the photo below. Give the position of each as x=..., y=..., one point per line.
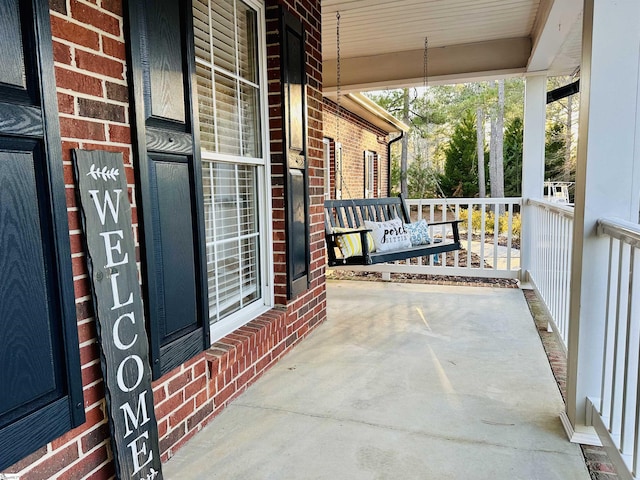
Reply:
x=351, y=214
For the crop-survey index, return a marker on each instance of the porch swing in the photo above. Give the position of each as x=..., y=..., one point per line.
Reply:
x=367, y=231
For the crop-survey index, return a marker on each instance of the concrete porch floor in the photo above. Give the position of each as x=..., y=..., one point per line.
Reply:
x=403, y=381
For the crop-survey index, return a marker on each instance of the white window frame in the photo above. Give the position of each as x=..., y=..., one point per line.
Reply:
x=338, y=169
x=326, y=148
x=266, y=301
x=369, y=173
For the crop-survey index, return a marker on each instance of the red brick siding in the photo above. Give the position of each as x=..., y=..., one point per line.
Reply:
x=90, y=71
x=356, y=136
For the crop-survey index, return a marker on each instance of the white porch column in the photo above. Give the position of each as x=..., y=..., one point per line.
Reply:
x=606, y=185
x=535, y=103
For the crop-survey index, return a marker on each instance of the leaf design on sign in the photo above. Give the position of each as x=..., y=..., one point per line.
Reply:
x=153, y=473
x=105, y=174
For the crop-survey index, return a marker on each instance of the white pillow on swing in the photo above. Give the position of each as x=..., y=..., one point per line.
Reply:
x=389, y=235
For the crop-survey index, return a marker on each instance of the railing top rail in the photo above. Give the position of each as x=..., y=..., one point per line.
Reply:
x=464, y=201
x=558, y=208
x=623, y=230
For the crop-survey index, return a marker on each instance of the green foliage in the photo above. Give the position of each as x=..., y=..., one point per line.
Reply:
x=460, y=177
x=513, y=136
x=554, y=152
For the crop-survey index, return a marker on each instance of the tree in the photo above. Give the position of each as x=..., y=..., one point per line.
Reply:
x=396, y=175
x=499, y=188
x=513, y=135
x=563, y=112
x=496, y=158
x=460, y=177
x=568, y=138
x=480, y=151
x=554, y=153
x=422, y=180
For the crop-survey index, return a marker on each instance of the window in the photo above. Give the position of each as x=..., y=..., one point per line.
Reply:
x=232, y=108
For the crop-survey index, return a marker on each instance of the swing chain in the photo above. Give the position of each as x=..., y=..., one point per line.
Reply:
x=343, y=185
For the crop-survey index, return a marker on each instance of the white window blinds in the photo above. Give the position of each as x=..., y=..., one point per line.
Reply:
x=232, y=233
x=227, y=74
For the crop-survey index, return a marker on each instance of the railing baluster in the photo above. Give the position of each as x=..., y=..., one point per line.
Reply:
x=635, y=315
x=509, y=235
x=607, y=360
x=456, y=254
x=567, y=245
x=556, y=265
x=432, y=232
x=496, y=228
x=469, y=233
x=627, y=445
x=483, y=227
x=617, y=386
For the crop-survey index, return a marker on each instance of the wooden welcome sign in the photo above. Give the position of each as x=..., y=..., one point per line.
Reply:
x=111, y=260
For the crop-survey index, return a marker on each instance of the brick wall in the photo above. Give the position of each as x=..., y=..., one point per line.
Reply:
x=90, y=70
x=356, y=137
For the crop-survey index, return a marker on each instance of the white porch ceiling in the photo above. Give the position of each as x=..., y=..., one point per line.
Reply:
x=382, y=42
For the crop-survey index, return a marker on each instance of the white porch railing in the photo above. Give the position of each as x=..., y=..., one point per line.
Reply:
x=616, y=414
x=490, y=241
x=550, y=270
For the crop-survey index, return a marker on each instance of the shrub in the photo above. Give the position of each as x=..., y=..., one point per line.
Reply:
x=464, y=215
x=516, y=224
x=476, y=220
x=489, y=222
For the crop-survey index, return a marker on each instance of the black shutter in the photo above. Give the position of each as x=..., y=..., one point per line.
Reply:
x=169, y=177
x=294, y=112
x=40, y=381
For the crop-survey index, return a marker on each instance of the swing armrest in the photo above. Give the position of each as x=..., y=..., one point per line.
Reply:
x=351, y=232
x=454, y=226
x=444, y=223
